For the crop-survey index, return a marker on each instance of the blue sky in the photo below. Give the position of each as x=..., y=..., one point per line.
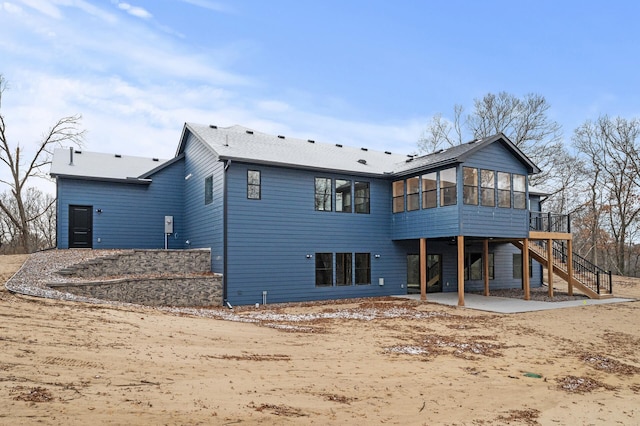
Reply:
x=364, y=73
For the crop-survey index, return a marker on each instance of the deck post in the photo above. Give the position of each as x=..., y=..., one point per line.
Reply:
x=423, y=269
x=460, y=270
x=485, y=256
x=525, y=269
x=570, y=267
x=549, y=266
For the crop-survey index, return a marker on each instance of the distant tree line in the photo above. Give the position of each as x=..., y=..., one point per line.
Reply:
x=594, y=176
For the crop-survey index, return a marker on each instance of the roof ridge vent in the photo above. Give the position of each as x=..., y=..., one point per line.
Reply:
x=249, y=132
x=388, y=152
x=365, y=149
x=281, y=137
x=213, y=126
x=118, y=156
x=311, y=141
x=361, y=161
x=155, y=159
x=339, y=145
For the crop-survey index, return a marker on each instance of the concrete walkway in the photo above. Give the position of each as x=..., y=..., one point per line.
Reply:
x=507, y=305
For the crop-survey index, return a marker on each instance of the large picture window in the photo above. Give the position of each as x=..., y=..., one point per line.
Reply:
x=362, y=197
x=488, y=188
x=470, y=182
x=413, y=193
x=398, y=196
x=344, y=269
x=208, y=190
x=519, y=191
x=324, y=269
x=363, y=268
x=448, y=182
x=504, y=189
x=323, y=194
x=429, y=190
x=253, y=185
x=343, y=195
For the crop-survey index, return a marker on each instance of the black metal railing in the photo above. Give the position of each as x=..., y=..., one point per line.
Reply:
x=549, y=222
x=588, y=273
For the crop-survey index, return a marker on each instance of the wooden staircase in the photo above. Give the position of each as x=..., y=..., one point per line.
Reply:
x=587, y=278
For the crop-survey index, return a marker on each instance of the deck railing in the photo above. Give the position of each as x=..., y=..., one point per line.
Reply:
x=549, y=222
x=589, y=274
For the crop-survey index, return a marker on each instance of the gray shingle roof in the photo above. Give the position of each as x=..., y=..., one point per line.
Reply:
x=95, y=165
x=242, y=144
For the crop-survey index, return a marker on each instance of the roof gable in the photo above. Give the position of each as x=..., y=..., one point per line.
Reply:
x=460, y=153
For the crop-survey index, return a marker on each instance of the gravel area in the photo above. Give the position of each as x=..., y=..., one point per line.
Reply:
x=540, y=294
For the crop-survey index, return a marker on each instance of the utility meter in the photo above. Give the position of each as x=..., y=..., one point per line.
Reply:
x=168, y=224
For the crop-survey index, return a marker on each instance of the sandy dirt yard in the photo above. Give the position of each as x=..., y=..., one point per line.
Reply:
x=369, y=361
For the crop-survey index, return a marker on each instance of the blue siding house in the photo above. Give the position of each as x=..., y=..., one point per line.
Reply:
x=290, y=219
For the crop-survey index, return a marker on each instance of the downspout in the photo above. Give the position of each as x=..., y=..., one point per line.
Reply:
x=224, y=234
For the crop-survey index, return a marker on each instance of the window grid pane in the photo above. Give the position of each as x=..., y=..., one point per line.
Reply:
x=344, y=269
x=504, y=190
x=488, y=185
x=323, y=194
x=363, y=268
x=362, y=197
x=398, y=196
x=253, y=185
x=470, y=190
x=448, y=182
x=343, y=196
x=429, y=191
x=413, y=194
x=324, y=269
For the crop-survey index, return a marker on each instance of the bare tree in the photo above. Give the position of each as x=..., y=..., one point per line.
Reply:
x=22, y=169
x=525, y=121
x=610, y=147
x=438, y=135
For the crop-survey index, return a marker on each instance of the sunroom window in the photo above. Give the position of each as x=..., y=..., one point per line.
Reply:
x=488, y=188
x=448, y=182
x=504, y=189
x=429, y=190
x=398, y=196
x=519, y=191
x=413, y=193
x=470, y=190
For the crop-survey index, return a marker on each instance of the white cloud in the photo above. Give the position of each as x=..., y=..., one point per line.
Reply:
x=45, y=7
x=134, y=10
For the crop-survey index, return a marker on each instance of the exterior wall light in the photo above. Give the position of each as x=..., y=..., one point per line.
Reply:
x=309, y=256
x=377, y=256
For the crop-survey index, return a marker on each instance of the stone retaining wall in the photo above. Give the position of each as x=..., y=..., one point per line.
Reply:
x=138, y=262
x=186, y=278
x=163, y=291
